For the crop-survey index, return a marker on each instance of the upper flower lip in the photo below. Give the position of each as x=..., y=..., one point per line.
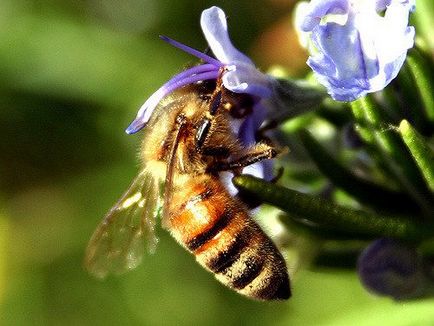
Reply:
x=215, y=30
x=240, y=74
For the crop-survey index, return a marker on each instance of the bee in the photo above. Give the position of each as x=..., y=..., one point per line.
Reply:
x=187, y=143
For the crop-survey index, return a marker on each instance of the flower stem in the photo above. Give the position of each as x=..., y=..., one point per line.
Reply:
x=359, y=116
x=411, y=105
x=392, y=151
x=420, y=150
x=332, y=216
x=305, y=228
x=422, y=72
x=369, y=193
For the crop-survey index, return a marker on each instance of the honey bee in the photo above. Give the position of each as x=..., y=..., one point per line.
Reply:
x=186, y=144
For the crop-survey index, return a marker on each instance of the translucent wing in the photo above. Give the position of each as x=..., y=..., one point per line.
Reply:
x=118, y=244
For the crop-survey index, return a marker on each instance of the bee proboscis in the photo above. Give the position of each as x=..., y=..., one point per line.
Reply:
x=187, y=143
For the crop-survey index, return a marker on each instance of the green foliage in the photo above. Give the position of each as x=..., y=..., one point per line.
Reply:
x=72, y=76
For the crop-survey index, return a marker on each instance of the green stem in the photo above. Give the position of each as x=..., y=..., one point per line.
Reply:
x=393, y=151
x=421, y=71
x=411, y=105
x=306, y=228
x=361, y=127
x=369, y=193
x=332, y=216
x=423, y=22
x=393, y=104
x=422, y=154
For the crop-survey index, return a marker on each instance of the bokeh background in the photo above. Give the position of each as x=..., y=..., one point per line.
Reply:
x=72, y=75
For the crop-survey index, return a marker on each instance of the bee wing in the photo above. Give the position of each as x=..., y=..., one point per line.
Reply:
x=118, y=243
x=170, y=169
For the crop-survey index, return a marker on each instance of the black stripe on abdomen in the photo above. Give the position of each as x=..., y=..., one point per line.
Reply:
x=276, y=288
x=252, y=267
x=226, y=258
x=202, y=238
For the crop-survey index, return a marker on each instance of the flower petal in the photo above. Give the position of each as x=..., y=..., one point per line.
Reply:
x=317, y=9
x=345, y=76
x=366, y=52
x=251, y=124
x=241, y=77
x=247, y=136
x=189, y=76
x=191, y=51
x=215, y=29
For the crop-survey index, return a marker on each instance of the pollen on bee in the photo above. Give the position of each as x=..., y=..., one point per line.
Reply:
x=131, y=200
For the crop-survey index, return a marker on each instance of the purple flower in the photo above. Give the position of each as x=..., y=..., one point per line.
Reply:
x=358, y=46
x=388, y=267
x=240, y=74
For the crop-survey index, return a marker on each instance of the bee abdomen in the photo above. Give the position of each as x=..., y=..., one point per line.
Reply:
x=225, y=258
x=244, y=258
x=250, y=270
x=259, y=272
x=227, y=242
x=201, y=239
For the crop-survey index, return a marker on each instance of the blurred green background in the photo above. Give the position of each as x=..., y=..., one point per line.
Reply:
x=72, y=75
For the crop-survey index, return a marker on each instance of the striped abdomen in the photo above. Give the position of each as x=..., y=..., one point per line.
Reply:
x=217, y=229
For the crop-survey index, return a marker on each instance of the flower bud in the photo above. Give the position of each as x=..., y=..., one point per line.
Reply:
x=390, y=268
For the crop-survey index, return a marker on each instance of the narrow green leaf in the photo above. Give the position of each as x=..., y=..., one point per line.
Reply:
x=361, y=127
x=332, y=216
x=422, y=72
x=369, y=193
x=422, y=153
x=411, y=106
x=306, y=228
x=422, y=19
x=392, y=103
x=392, y=151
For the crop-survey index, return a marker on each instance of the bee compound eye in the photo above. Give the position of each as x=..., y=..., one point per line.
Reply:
x=202, y=132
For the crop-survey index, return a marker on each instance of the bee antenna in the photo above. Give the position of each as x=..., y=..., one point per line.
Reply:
x=216, y=101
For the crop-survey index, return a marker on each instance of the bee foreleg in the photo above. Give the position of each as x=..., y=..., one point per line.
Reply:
x=255, y=154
